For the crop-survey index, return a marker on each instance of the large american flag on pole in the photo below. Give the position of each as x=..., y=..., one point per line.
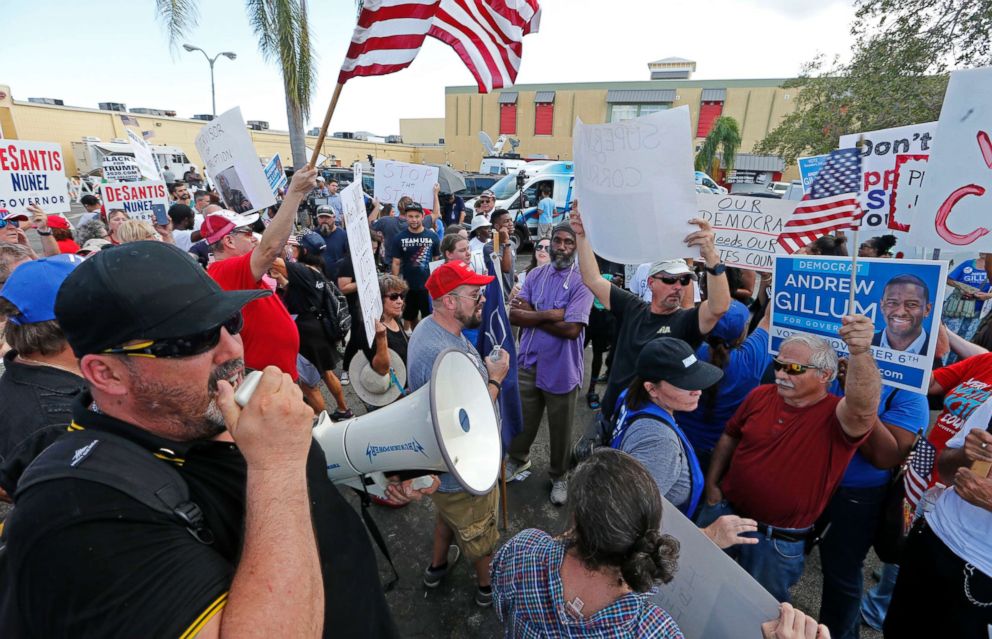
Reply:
x=831, y=205
x=486, y=34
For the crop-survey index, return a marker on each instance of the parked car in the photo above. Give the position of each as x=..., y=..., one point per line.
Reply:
x=705, y=180
x=476, y=183
x=778, y=187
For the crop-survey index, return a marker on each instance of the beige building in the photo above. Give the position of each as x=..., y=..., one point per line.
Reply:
x=422, y=131
x=65, y=125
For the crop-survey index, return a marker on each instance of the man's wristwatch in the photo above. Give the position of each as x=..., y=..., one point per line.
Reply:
x=498, y=385
x=719, y=269
x=45, y=233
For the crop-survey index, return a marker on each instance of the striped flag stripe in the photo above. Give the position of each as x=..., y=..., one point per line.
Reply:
x=475, y=49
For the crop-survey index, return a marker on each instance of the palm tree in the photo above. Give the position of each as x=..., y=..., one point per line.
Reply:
x=723, y=141
x=283, y=36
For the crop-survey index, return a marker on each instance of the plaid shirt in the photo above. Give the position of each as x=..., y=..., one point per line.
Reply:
x=527, y=590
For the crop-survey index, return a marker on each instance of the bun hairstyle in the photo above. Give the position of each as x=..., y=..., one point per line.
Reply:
x=829, y=245
x=616, y=514
x=884, y=243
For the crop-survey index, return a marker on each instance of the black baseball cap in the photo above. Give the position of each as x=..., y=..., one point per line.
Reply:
x=673, y=361
x=413, y=206
x=141, y=290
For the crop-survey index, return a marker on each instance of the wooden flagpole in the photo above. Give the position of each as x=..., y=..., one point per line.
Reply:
x=325, y=125
x=855, y=248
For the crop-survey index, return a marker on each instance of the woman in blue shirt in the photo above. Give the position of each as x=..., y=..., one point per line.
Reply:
x=964, y=320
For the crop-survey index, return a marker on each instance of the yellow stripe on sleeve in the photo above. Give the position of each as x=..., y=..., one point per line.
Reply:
x=205, y=617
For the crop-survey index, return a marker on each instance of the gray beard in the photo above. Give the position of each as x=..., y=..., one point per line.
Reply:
x=561, y=262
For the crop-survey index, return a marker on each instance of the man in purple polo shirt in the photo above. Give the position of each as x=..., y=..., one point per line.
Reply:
x=552, y=310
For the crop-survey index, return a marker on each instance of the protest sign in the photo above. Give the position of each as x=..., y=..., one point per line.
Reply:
x=33, y=173
x=636, y=186
x=953, y=207
x=809, y=167
x=903, y=298
x=360, y=245
x=395, y=179
x=275, y=174
x=746, y=227
x=878, y=169
x=708, y=580
x=120, y=168
x=227, y=151
x=140, y=200
x=143, y=156
x=905, y=199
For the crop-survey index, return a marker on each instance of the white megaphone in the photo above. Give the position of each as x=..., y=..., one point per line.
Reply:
x=449, y=426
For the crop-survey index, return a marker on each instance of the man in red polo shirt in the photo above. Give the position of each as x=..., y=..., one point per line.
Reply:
x=269, y=333
x=785, y=450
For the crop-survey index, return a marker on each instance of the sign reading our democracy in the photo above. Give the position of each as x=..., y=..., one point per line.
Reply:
x=33, y=173
x=120, y=168
x=140, y=200
x=395, y=179
x=746, y=227
x=362, y=258
x=902, y=297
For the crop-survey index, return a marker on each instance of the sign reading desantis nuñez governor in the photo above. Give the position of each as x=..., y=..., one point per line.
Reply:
x=33, y=173
x=902, y=297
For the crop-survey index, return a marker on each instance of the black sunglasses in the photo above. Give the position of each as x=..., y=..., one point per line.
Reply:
x=176, y=347
x=790, y=368
x=396, y=296
x=4, y=223
x=669, y=279
x=543, y=247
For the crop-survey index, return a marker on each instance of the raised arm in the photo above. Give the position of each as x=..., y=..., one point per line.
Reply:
x=858, y=411
x=275, y=235
x=591, y=276
x=717, y=290
x=40, y=221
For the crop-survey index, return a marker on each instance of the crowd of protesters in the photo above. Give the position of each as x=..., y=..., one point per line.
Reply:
x=124, y=341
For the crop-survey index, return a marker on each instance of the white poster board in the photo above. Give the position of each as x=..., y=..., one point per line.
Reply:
x=143, y=156
x=33, y=173
x=120, y=168
x=395, y=179
x=746, y=228
x=140, y=200
x=636, y=186
x=953, y=211
x=905, y=199
x=231, y=161
x=360, y=244
x=711, y=596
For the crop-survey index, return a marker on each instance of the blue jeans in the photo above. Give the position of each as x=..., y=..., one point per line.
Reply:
x=776, y=564
x=875, y=603
x=854, y=515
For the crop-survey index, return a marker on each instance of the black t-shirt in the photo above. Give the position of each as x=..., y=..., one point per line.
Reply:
x=347, y=269
x=304, y=283
x=396, y=340
x=636, y=326
x=415, y=252
x=89, y=561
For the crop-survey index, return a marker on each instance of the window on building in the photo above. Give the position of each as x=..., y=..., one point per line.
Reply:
x=708, y=113
x=508, y=119
x=621, y=112
x=544, y=112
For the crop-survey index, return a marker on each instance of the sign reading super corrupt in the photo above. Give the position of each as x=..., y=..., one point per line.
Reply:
x=636, y=186
x=746, y=228
x=33, y=173
x=360, y=245
x=395, y=179
x=227, y=151
x=903, y=298
x=140, y=200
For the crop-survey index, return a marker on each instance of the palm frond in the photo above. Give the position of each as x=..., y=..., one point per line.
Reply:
x=723, y=141
x=178, y=16
x=283, y=33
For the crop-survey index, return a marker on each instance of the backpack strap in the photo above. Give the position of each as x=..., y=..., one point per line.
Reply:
x=120, y=464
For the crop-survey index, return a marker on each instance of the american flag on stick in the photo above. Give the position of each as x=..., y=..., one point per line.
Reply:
x=831, y=205
x=919, y=471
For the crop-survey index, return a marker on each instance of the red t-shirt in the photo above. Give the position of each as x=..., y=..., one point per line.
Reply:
x=270, y=336
x=789, y=460
x=67, y=246
x=967, y=385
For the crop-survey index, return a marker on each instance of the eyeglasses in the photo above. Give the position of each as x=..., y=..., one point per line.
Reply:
x=395, y=296
x=243, y=230
x=792, y=369
x=177, y=347
x=668, y=279
x=475, y=298
x=485, y=199
x=543, y=247
x=4, y=223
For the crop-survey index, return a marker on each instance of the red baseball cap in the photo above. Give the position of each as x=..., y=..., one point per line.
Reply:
x=58, y=222
x=219, y=223
x=451, y=275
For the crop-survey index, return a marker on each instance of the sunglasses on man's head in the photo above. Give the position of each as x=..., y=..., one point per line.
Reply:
x=671, y=279
x=177, y=347
x=790, y=368
x=4, y=223
x=395, y=296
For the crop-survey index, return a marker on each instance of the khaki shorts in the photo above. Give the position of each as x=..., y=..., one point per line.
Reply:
x=473, y=518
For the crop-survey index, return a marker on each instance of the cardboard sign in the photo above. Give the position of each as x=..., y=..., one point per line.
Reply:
x=33, y=173
x=878, y=169
x=120, y=168
x=709, y=580
x=905, y=199
x=636, y=186
x=362, y=258
x=275, y=174
x=227, y=151
x=746, y=228
x=395, y=179
x=809, y=167
x=143, y=156
x=904, y=299
x=953, y=211
x=140, y=200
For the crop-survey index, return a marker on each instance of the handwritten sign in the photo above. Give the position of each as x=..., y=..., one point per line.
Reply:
x=143, y=156
x=140, y=200
x=120, y=168
x=275, y=174
x=746, y=228
x=708, y=580
x=33, y=173
x=903, y=298
x=636, y=186
x=362, y=258
x=809, y=167
x=905, y=199
x=227, y=151
x=395, y=179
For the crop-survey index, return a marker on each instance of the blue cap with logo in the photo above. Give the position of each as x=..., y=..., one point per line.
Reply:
x=33, y=285
x=731, y=325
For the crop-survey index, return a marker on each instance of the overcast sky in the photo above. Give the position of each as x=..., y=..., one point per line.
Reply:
x=90, y=52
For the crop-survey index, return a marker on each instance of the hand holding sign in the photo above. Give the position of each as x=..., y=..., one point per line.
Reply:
x=857, y=332
x=304, y=181
x=704, y=239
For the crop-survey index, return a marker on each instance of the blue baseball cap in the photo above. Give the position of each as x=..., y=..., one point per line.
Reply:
x=312, y=243
x=33, y=285
x=732, y=324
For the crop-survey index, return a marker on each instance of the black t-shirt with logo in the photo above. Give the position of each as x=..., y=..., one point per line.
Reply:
x=636, y=326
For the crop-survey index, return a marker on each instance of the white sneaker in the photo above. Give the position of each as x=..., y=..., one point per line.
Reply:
x=559, y=491
x=345, y=379
x=514, y=468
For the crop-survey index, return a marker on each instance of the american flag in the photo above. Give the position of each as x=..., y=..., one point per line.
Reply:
x=919, y=472
x=486, y=35
x=831, y=205
x=129, y=120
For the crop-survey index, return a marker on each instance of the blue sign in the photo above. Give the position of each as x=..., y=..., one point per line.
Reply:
x=275, y=174
x=903, y=298
x=809, y=167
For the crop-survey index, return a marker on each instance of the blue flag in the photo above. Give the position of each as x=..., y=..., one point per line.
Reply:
x=495, y=331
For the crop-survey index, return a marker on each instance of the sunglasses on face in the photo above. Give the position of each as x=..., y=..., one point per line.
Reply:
x=5, y=223
x=475, y=298
x=671, y=279
x=790, y=368
x=485, y=199
x=177, y=347
x=543, y=247
x=395, y=296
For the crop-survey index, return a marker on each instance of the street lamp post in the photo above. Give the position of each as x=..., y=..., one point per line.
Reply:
x=227, y=54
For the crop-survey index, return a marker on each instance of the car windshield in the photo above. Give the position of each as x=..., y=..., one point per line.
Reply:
x=506, y=187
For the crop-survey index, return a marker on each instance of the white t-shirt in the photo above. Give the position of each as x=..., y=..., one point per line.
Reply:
x=965, y=529
x=183, y=239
